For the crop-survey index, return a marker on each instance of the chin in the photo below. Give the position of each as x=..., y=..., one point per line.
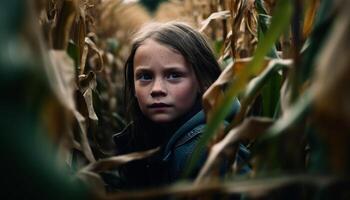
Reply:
x=162, y=119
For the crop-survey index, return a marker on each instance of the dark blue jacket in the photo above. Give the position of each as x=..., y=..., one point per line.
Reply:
x=167, y=166
x=182, y=144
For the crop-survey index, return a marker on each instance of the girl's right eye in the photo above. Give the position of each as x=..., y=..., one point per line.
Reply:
x=144, y=76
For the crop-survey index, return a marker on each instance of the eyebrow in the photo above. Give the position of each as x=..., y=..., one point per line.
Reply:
x=169, y=67
x=142, y=68
x=174, y=68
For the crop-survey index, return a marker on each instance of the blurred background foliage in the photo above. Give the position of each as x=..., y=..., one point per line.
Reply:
x=287, y=61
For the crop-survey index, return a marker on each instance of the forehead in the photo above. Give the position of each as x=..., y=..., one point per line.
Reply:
x=154, y=54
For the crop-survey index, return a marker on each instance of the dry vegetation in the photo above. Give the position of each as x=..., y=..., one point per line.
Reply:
x=290, y=72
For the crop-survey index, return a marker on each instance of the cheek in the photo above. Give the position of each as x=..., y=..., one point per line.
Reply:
x=183, y=93
x=186, y=94
x=140, y=95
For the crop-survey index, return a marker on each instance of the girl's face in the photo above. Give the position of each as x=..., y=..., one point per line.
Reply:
x=165, y=85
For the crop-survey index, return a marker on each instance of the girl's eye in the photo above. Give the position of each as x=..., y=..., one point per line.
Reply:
x=144, y=76
x=174, y=76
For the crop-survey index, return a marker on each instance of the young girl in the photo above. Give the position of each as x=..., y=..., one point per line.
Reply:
x=169, y=68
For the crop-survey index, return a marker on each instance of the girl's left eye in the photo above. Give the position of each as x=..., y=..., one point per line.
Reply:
x=174, y=75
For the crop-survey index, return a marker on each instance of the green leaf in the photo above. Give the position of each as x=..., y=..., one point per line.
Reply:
x=294, y=114
x=270, y=94
x=279, y=23
x=218, y=45
x=263, y=25
x=256, y=85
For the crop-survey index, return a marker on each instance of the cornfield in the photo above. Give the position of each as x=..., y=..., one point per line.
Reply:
x=62, y=76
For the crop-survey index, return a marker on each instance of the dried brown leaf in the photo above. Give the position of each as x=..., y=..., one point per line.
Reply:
x=64, y=22
x=89, y=102
x=217, y=15
x=116, y=161
x=85, y=51
x=244, y=26
x=84, y=142
x=98, y=52
x=87, y=81
x=93, y=181
x=226, y=148
x=216, y=91
x=252, y=188
x=62, y=77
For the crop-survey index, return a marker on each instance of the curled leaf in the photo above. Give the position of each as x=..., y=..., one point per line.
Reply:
x=97, y=51
x=116, y=161
x=226, y=148
x=215, y=92
x=216, y=15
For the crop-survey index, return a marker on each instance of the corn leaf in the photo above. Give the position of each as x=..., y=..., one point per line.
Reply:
x=279, y=23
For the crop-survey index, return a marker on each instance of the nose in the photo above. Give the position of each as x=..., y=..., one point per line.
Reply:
x=158, y=88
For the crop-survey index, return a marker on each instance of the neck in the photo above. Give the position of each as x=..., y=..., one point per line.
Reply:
x=166, y=130
x=158, y=134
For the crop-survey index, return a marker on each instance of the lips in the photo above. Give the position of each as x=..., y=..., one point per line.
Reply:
x=159, y=105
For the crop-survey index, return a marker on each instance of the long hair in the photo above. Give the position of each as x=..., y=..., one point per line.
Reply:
x=184, y=39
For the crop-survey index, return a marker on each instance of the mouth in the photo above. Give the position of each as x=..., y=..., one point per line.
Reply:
x=159, y=105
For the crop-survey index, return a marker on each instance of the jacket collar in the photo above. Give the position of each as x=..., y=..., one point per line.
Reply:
x=193, y=127
x=196, y=120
